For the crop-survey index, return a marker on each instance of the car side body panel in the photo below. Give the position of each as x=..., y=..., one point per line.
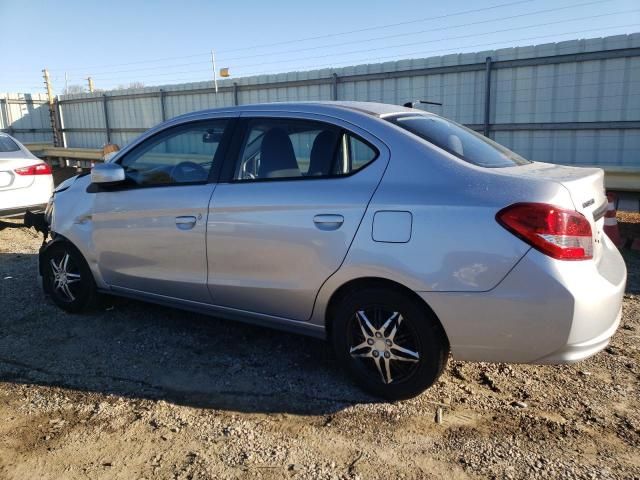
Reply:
x=426, y=221
x=456, y=244
x=272, y=244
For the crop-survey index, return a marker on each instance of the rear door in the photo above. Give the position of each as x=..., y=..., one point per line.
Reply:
x=284, y=219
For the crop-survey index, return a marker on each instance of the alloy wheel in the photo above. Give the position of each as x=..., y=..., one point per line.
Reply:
x=384, y=343
x=65, y=277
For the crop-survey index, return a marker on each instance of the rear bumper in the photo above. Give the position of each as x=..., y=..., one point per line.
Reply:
x=575, y=352
x=16, y=201
x=18, y=211
x=544, y=311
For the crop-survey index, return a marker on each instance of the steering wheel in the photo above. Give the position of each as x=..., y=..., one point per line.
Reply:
x=188, y=172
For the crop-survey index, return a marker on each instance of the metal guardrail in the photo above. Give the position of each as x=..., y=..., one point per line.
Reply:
x=624, y=179
x=44, y=150
x=618, y=178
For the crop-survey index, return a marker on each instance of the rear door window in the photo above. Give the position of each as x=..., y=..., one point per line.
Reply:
x=300, y=149
x=460, y=141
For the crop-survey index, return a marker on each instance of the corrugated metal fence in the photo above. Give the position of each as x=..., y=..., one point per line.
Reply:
x=574, y=102
x=26, y=115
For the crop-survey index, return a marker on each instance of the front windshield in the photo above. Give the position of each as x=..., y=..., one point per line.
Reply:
x=460, y=141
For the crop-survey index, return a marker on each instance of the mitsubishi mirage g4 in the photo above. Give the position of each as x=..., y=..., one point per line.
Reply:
x=398, y=235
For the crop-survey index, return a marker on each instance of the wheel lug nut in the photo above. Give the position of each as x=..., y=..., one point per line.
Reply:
x=378, y=334
x=387, y=354
x=370, y=341
x=388, y=342
x=376, y=353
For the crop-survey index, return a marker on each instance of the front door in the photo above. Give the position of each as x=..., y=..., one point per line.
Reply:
x=283, y=221
x=150, y=234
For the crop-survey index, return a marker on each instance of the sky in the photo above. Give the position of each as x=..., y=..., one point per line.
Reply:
x=163, y=42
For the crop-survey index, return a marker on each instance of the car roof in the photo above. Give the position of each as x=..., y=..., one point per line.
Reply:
x=327, y=107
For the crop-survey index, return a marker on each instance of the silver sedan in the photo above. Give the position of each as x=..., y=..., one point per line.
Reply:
x=397, y=234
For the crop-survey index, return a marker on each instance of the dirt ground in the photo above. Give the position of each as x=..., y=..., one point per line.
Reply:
x=140, y=391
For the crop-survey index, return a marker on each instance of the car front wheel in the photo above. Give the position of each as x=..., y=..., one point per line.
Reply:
x=393, y=346
x=67, y=278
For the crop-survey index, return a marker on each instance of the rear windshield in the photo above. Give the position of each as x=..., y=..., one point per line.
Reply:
x=8, y=145
x=458, y=140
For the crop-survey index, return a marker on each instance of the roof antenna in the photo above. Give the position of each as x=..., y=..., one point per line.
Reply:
x=412, y=104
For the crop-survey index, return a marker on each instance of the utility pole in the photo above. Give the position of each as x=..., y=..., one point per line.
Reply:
x=55, y=128
x=215, y=75
x=47, y=84
x=90, y=83
x=66, y=83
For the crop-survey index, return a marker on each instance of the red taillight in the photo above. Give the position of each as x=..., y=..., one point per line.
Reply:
x=38, y=169
x=557, y=232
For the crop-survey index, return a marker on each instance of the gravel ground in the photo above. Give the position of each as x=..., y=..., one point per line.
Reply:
x=139, y=391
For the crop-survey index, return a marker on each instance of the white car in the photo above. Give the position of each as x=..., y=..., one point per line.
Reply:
x=26, y=182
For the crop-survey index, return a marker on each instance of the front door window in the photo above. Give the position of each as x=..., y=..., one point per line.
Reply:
x=183, y=154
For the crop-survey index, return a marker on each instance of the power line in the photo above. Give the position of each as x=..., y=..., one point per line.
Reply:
x=352, y=62
x=443, y=39
x=510, y=17
x=405, y=34
x=379, y=59
x=389, y=25
x=454, y=50
x=197, y=72
x=329, y=35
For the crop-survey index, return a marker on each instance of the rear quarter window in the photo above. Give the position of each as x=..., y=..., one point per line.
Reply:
x=460, y=141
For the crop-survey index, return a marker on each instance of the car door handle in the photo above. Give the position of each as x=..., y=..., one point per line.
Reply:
x=186, y=223
x=328, y=221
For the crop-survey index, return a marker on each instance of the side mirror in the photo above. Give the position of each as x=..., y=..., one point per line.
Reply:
x=107, y=173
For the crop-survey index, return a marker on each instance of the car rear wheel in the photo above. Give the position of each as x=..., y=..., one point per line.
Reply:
x=392, y=345
x=67, y=278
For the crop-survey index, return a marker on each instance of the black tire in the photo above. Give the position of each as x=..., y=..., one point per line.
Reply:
x=418, y=332
x=81, y=286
